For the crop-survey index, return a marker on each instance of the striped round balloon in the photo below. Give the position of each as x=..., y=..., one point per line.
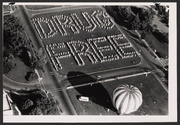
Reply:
x=127, y=99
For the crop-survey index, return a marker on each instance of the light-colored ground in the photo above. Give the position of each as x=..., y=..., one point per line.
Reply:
x=161, y=26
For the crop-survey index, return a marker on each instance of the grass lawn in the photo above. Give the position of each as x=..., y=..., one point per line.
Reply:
x=161, y=26
x=19, y=72
x=161, y=48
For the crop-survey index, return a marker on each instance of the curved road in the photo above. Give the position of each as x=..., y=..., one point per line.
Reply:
x=13, y=85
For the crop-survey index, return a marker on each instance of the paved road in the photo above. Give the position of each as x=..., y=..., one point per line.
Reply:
x=113, y=79
x=9, y=83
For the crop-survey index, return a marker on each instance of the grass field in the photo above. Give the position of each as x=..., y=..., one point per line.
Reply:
x=19, y=72
x=161, y=26
x=155, y=98
x=85, y=47
x=161, y=48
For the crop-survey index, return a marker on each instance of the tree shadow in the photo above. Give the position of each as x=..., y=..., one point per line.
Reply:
x=25, y=57
x=96, y=92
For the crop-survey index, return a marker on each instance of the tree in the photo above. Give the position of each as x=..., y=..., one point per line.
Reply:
x=125, y=15
x=161, y=10
x=39, y=60
x=134, y=17
x=8, y=63
x=13, y=34
x=24, y=56
x=31, y=76
x=143, y=35
x=35, y=102
x=146, y=17
x=28, y=103
x=36, y=111
x=135, y=24
x=12, y=40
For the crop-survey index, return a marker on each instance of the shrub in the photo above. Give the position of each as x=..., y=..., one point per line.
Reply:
x=35, y=102
x=36, y=111
x=31, y=76
x=28, y=103
x=8, y=63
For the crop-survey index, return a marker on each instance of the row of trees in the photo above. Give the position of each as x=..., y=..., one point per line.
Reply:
x=12, y=41
x=35, y=102
x=163, y=13
x=132, y=17
x=16, y=44
x=139, y=18
x=13, y=34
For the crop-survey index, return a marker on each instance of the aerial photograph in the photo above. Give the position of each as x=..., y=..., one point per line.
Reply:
x=85, y=59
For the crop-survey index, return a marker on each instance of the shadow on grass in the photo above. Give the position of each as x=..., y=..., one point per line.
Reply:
x=19, y=101
x=25, y=57
x=96, y=92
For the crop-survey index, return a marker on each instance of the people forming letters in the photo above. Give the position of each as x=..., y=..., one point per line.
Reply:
x=49, y=27
x=96, y=50
x=90, y=49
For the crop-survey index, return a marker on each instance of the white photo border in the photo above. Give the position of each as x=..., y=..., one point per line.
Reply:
x=172, y=87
